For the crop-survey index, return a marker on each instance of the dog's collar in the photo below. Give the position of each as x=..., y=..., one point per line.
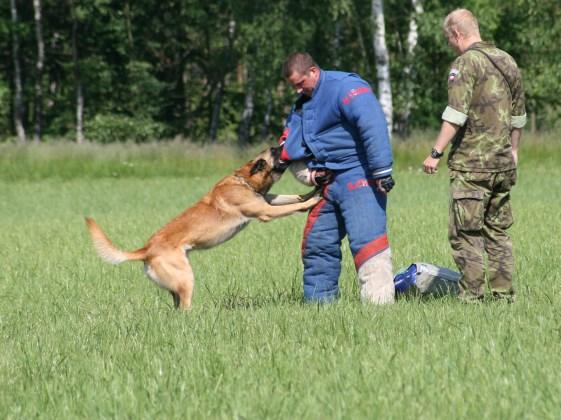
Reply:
x=244, y=181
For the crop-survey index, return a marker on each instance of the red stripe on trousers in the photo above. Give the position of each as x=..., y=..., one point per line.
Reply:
x=312, y=218
x=370, y=249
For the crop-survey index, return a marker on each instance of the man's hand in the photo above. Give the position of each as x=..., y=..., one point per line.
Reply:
x=447, y=132
x=430, y=165
x=384, y=185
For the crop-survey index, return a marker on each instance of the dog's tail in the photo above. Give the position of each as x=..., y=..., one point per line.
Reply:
x=105, y=248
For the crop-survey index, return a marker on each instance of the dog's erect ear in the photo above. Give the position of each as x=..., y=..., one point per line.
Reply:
x=258, y=166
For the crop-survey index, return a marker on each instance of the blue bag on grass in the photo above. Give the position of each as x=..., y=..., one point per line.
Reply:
x=427, y=279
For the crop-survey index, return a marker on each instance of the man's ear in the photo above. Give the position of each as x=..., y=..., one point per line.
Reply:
x=258, y=166
x=456, y=34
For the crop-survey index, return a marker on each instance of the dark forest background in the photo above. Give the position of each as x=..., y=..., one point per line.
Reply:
x=209, y=71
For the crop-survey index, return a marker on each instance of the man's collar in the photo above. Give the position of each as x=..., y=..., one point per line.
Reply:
x=320, y=79
x=479, y=44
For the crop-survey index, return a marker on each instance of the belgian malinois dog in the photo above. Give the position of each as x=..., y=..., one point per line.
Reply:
x=215, y=218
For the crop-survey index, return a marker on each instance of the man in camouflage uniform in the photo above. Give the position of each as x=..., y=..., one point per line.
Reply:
x=483, y=120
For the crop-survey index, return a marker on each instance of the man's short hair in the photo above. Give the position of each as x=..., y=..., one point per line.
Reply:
x=463, y=21
x=299, y=62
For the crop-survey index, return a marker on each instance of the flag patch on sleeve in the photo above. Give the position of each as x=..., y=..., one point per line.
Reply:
x=453, y=75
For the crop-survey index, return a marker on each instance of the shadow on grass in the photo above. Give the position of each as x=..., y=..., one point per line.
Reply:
x=233, y=300
x=426, y=298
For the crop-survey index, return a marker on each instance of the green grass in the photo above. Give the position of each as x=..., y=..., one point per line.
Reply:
x=83, y=339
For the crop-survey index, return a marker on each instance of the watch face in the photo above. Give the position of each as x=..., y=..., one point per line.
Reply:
x=435, y=155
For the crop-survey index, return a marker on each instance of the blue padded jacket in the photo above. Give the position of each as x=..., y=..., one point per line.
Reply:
x=340, y=127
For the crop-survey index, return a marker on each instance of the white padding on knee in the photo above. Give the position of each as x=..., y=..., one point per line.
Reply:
x=376, y=279
x=301, y=172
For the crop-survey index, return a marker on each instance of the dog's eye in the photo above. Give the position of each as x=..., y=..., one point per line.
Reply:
x=258, y=166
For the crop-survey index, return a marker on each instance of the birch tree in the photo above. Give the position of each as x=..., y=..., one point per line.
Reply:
x=18, y=102
x=382, y=62
x=77, y=78
x=408, y=69
x=267, y=115
x=217, y=107
x=38, y=71
x=247, y=114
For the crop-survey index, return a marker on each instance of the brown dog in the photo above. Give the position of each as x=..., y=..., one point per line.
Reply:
x=217, y=217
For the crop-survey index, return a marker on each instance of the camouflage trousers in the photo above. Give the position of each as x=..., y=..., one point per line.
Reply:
x=480, y=214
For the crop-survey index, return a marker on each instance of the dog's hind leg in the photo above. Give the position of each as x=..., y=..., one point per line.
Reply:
x=176, y=300
x=173, y=272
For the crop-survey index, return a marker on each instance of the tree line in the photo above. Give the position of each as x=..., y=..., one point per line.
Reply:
x=116, y=70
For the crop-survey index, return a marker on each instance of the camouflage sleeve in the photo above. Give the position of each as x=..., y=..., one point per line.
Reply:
x=518, y=119
x=461, y=80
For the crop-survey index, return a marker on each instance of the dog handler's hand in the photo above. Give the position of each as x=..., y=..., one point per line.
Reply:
x=384, y=185
x=430, y=165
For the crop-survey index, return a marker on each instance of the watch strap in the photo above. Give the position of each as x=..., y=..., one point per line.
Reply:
x=435, y=154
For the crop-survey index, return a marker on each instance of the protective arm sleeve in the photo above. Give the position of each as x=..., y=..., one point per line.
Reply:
x=362, y=110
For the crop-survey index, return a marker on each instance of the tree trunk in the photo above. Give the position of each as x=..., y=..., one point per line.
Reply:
x=409, y=69
x=18, y=103
x=187, y=122
x=128, y=24
x=382, y=62
x=245, y=125
x=77, y=82
x=215, y=120
x=267, y=117
x=337, y=44
x=39, y=71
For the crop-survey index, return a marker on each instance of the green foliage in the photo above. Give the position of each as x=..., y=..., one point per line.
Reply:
x=165, y=61
x=145, y=95
x=531, y=31
x=108, y=128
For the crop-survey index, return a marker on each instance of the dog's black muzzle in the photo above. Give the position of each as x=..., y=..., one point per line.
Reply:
x=279, y=165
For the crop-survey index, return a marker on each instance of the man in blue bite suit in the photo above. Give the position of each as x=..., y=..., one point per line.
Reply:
x=338, y=129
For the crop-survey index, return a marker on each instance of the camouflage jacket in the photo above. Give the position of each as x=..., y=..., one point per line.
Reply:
x=487, y=106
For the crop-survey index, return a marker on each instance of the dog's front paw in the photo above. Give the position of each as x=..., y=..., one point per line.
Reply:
x=312, y=201
x=305, y=197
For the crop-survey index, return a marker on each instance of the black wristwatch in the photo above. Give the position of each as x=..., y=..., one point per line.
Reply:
x=435, y=154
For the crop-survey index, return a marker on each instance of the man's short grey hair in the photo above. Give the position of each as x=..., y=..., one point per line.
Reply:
x=299, y=62
x=461, y=20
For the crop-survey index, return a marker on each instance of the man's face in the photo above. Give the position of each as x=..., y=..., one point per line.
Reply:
x=304, y=83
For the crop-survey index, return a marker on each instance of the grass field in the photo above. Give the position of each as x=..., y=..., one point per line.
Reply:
x=82, y=339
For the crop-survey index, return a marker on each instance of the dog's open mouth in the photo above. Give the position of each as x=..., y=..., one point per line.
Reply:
x=279, y=164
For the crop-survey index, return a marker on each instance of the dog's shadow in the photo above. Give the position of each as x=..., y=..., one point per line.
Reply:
x=237, y=301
